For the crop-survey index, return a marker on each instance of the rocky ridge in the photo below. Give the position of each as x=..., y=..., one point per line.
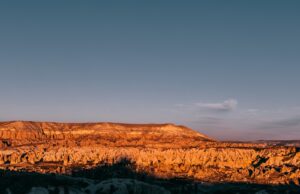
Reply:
x=162, y=150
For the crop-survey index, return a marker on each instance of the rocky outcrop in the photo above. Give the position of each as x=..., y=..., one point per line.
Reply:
x=165, y=151
x=115, y=134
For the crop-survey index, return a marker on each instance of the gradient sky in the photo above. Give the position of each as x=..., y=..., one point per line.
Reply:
x=229, y=69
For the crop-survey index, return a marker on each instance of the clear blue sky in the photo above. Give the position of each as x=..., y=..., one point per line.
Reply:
x=230, y=69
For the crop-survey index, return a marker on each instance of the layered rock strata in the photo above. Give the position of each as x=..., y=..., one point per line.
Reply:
x=162, y=150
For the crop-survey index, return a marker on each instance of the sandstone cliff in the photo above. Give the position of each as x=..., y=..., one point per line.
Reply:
x=163, y=150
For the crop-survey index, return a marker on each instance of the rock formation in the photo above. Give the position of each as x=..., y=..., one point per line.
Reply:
x=162, y=150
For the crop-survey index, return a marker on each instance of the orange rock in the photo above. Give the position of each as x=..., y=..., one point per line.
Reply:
x=166, y=150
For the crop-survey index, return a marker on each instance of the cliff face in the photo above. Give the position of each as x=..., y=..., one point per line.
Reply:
x=20, y=133
x=164, y=150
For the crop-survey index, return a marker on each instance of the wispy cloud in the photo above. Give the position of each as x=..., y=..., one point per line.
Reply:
x=227, y=105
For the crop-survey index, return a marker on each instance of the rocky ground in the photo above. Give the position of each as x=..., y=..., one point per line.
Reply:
x=164, y=151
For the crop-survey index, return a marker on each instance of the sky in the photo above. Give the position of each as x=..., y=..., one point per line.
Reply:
x=228, y=69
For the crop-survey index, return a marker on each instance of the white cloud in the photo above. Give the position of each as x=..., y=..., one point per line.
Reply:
x=227, y=105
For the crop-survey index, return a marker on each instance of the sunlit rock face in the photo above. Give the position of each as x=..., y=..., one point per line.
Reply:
x=162, y=150
x=20, y=133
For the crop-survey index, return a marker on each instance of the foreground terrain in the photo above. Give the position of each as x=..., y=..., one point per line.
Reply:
x=165, y=152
